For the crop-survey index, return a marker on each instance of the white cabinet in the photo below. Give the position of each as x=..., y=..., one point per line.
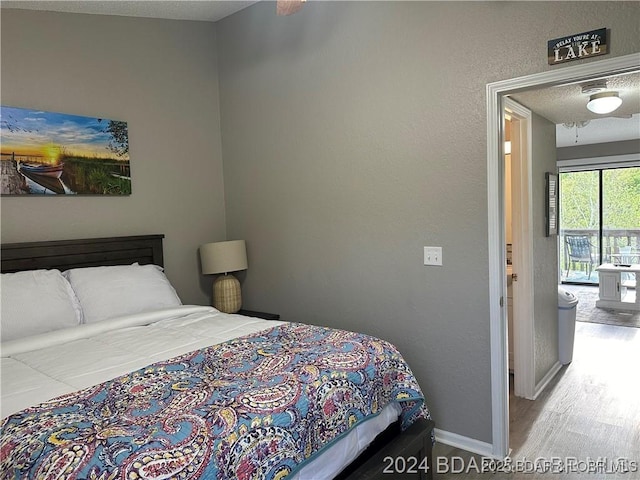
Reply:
x=610, y=288
x=612, y=292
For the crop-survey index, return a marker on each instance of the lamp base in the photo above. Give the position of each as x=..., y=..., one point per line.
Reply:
x=227, y=296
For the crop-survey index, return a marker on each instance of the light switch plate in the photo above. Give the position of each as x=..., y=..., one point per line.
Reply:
x=433, y=256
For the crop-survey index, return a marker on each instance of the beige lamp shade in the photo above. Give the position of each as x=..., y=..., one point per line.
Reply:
x=225, y=257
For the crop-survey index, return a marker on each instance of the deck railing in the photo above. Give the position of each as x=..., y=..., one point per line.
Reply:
x=612, y=241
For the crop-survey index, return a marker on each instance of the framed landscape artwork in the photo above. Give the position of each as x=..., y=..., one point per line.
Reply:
x=48, y=153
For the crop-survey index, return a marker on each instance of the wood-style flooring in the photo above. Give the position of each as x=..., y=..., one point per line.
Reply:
x=587, y=418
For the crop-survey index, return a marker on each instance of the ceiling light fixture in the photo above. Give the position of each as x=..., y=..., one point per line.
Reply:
x=287, y=7
x=577, y=125
x=604, y=102
x=594, y=87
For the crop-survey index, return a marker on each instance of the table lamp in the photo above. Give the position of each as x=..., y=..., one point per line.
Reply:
x=225, y=257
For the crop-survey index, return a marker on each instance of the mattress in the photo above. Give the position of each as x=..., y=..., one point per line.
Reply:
x=38, y=368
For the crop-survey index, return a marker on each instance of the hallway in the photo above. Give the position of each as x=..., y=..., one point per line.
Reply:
x=589, y=413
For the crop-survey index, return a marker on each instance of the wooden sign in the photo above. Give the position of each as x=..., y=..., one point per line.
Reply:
x=578, y=46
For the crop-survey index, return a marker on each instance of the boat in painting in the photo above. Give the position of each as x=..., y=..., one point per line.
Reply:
x=42, y=184
x=54, y=171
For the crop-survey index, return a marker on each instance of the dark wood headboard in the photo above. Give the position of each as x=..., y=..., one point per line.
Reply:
x=90, y=252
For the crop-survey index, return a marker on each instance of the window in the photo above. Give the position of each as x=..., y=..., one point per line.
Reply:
x=599, y=221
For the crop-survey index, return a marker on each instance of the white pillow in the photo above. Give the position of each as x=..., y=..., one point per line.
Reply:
x=36, y=301
x=108, y=292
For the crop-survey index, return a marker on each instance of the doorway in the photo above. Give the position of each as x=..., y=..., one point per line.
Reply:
x=496, y=231
x=518, y=216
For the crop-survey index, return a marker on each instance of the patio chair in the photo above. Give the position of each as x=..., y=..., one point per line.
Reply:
x=578, y=249
x=628, y=255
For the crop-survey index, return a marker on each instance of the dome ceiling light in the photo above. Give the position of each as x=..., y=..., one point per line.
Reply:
x=601, y=101
x=604, y=102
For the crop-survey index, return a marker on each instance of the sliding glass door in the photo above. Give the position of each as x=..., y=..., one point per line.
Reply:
x=599, y=221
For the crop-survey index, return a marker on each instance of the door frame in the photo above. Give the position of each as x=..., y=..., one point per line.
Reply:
x=496, y=231
x=522, y=215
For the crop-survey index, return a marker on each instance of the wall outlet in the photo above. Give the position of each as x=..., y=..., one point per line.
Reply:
x=433, y=256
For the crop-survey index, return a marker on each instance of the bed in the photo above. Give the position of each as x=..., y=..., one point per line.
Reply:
x=123, y=381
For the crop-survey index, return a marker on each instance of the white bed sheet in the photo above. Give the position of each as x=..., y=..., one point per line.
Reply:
x=38, y=368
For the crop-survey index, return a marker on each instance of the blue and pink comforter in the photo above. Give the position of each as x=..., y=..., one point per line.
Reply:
x=258, y=406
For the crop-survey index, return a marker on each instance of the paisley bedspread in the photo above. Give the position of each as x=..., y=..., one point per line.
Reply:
x=256, y=407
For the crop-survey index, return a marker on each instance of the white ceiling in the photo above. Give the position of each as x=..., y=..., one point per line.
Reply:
x=610, y=129
x=566, y=103
x=203, y=10
x=559, y=104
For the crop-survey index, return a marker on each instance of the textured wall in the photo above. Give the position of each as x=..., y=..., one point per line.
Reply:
x=353, y=135
x=160, y=77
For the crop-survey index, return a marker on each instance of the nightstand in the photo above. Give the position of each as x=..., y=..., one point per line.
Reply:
x=263, y=315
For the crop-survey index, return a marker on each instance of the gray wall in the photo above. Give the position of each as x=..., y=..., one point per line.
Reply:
x=353, y=135
x=625, y=147
x=545, y=250
x=160, y=77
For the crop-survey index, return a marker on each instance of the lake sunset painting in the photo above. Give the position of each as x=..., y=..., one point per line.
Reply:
x=48, y=153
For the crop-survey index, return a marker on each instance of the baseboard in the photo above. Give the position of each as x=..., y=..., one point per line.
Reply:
x=546, y=379
x=465, y=443
x=483, y=448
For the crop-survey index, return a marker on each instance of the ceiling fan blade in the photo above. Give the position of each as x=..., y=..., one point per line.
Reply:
x=287, y=7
